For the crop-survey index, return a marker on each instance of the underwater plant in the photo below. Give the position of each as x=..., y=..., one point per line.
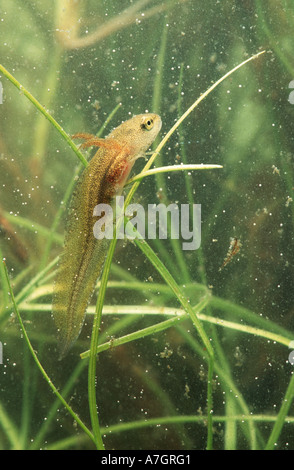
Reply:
x=187, y=342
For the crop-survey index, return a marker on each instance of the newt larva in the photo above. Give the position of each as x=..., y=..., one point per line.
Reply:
x=83, y=256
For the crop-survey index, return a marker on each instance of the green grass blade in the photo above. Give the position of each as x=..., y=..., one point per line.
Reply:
x=9, y=429
x=39, y=365
x=45, y=113
x=286, y=404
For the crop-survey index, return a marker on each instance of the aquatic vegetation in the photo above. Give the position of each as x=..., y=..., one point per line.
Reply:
x=184, y=347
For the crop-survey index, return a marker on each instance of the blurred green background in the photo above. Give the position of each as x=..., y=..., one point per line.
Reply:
x=80, y=59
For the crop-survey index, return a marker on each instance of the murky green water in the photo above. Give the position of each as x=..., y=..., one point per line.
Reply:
x=80, y=60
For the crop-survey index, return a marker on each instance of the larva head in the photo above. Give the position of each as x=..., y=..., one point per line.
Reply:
x=138, y=132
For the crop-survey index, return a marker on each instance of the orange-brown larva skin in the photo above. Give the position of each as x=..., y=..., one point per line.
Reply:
x=83, y=256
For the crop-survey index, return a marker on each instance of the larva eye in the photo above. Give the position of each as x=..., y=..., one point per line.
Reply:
x=147, y=123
